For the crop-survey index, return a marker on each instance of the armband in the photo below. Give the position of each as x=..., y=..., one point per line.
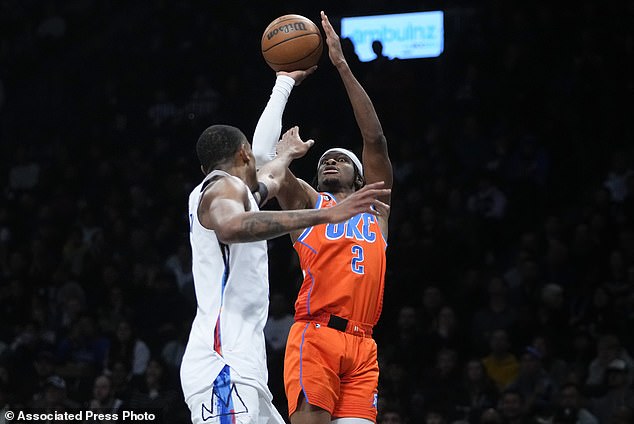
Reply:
x=261, y=194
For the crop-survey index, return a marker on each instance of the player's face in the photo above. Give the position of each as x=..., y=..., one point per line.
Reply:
x=336, y=171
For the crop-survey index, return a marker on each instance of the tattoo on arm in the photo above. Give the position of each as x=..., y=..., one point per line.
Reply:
x=262, y=225
x=267, y=225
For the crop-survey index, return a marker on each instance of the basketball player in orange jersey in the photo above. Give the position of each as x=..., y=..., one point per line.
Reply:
x=331, y=370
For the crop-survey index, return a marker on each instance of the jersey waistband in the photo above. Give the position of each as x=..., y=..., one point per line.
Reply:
x=355, y=328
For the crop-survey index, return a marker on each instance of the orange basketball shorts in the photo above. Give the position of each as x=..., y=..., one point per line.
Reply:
x=335, y=371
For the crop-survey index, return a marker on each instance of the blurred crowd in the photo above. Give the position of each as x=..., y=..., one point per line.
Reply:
x=510, y=285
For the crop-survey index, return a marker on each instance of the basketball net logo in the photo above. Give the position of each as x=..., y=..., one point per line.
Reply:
x=222, y=406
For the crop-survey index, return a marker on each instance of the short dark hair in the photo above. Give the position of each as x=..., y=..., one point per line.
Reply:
x=217, y=144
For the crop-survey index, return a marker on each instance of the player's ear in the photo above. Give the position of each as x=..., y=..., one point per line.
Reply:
x=244, y=152
x=359, y=181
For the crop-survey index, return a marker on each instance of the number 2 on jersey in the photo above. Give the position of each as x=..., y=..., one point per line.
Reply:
x=357, y=259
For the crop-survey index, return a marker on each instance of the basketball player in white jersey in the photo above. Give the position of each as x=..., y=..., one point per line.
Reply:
x=223, y=373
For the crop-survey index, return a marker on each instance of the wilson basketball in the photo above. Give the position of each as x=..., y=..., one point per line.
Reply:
x=292, y=43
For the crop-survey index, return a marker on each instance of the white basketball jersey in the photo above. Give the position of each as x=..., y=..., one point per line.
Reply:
x=232, y=292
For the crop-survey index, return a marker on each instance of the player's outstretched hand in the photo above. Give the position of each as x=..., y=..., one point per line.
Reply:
x=292, y=145
x=298, y=76
x=335, y=52
x=361, y=201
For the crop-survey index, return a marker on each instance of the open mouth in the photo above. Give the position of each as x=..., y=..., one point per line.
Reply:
x=330, y=171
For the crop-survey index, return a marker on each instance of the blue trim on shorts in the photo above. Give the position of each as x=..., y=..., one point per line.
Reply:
x=301, y=368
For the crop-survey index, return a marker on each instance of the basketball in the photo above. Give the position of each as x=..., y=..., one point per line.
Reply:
x=291, y=43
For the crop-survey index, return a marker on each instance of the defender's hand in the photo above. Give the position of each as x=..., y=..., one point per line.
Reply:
x=291, y=144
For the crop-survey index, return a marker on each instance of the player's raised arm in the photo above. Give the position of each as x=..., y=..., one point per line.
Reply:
x=269, y=126
x=376, y=162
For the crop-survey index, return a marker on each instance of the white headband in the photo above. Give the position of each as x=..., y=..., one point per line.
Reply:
x=346, y=152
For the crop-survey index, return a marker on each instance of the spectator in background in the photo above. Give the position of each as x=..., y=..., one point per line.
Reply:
x=556, y=367
x=446, y=333
x=276, y=331
x=618, y=174
x=53, y=25
x=24, y=175
x=127, y=347
x=203, y=102
x=480, y=390
x=501, y=365
x=530, y=281
x=161, y=294
x=579, y=355
x=491, y=416
x=33, y=382
x=69, y=308
x=173, y=350
x=432, y=301
x=163, y=111
x=609, y=348
x=278, y=324
x=533, y=382
x=435, y=416
x=488, y=204
x=600, y=314
x=496, y=314
x=113, y=309
x=623, y=415
x=154, y=391
x=512, y=407
x=531, y=165
x=74, y=252
x=619, y=394
x=394, y=383
x=441, y=385
x=405, y=349
x=81, y=354
x=390, y=416
x=55, y=397
x=28, y=341
x=570, y=408
x=103, y=399
x=180, y=265
x=615, y=278
x=121, y=380
x=551, y=315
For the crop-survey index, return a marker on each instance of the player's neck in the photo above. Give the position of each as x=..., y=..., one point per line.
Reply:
x=340, y=193
x=244, y=173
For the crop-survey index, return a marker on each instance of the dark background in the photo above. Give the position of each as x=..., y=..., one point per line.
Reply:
x=512, y=154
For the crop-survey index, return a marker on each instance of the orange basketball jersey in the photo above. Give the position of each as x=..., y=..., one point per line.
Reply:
x=344, y=268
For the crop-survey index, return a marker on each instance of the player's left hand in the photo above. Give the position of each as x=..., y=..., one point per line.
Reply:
x=292, y=144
